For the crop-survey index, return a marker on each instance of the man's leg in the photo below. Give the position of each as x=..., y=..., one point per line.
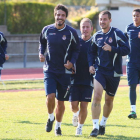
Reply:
x=112, y=84
x=75, y=110
x=108, y=105
x=96, y=107
x=106, y=112
x=50, y=103
x=50, y=89
x=133, y=79
x=60, y=109
x=82, y=117
x=63, y=81
x=132, y=97
x=83, y=112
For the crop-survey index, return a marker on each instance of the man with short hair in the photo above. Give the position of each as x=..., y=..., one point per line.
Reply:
x=133, y=65
x=82, y=81
x=62, y=44
x=110, y=44
x=3, y=47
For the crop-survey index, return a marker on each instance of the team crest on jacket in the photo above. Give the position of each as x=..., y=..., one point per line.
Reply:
x=110, y=40
x=64, y=37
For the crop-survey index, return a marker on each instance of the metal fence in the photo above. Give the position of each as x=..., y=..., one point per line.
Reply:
x=23, y=51
x=26, y=51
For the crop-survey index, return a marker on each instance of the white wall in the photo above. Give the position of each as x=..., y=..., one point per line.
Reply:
x=102, y=1
x=122, y=17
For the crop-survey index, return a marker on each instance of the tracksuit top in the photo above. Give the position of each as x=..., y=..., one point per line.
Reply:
x=108, y=63
x=133, y=34
x=3, y=47
x=61, y=45
x=82, y=75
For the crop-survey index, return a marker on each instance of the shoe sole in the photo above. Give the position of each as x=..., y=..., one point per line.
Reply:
x=75, y=125
x=78, y=134
x=101, y=134
x=93, y=135
x=134, y=117
x=58, y=134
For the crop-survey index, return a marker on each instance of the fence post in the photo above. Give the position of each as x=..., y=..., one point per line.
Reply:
x=25, y=55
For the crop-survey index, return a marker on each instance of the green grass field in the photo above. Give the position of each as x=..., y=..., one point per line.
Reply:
x=23, y=116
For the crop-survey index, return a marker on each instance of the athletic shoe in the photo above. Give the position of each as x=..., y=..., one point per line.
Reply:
x=58, y=132
x=94, y=132
x=49, y=125
x=132, y=115
x=75, y=121
x=78, y=131
x=101, y=130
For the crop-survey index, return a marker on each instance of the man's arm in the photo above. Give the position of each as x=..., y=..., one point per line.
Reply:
x=92, y=54
x=3, y=46
x=3, y=43
x=42, y=46
x=122, y=42
x=75, y=45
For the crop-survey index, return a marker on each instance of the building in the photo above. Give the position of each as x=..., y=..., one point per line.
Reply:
x=121, y=11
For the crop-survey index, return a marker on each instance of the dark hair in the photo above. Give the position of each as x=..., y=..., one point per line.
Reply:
x=136, y=10
x=61, y=7
x=106, y=12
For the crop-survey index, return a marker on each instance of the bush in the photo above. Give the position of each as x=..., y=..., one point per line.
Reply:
x=24, y=18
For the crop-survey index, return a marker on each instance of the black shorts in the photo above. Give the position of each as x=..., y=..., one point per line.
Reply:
x=80, y=93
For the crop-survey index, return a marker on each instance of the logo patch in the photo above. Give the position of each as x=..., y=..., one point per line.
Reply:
x=52, y=33
x=110, y=40
x=100, y=38
x=87, y=98
x=64, y=37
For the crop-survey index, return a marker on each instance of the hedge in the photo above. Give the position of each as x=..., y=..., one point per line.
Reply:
x=27, y=18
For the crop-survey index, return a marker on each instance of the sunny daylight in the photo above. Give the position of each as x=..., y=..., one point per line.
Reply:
x=69, y=69
x=24, y=115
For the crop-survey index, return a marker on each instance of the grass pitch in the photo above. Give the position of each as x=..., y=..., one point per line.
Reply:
x=23, y=116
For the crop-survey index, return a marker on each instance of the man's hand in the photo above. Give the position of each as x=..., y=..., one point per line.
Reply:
x=73, y=70
x=41, y=57
x=6, y=56
x=69, y=65
x=91, y=69
x=106, y=47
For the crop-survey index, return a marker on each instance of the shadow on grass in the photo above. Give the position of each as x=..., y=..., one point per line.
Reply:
x=27, y=122
x=70, y=124
x=15, y=139
x=118, y=137
x=105, y=137
x=122, y=126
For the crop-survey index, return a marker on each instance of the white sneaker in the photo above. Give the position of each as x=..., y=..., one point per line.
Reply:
x=78, y=131
x=75, y=121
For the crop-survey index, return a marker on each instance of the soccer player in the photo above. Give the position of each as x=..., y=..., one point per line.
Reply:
x=62, y=44
x=3, y=47
x=133, y=65
x=110, y=44
x=82, y=82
